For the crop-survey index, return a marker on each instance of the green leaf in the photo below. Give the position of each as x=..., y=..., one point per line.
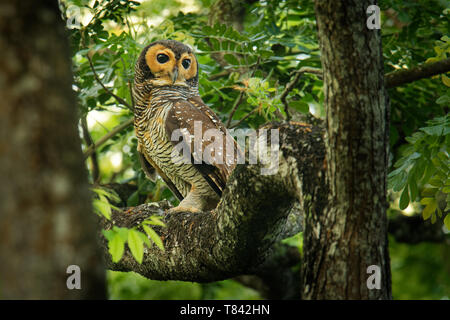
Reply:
x=136, y=245
x=154, y=236
x=447, y=221
x=301, y=106
x=399, y=181
x=133, y=199
x=436, y=182
x=109, y=234
x=102, y=207
x=429, y=209
x=445, y=100
x=116, y=247
x=420, y=169
x=426, y=201
x=154, y=220
x=144, y=238
x=231, y=59
x=434, y=130
x=123, y=232
x=433, y=218
x=110, y=194
x=404, y=199
x=414, y=191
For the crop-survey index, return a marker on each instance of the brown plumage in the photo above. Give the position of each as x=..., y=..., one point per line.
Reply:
x=168, y=115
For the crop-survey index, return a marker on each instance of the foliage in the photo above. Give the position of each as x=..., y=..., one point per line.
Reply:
x=101, y=205
x=118, y=236
x=418, y=272
x=242, y=78
x=414, y=33
x=425, y=165
x=131, y=285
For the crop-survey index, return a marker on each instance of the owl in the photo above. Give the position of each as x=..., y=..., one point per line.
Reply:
x=179, y=137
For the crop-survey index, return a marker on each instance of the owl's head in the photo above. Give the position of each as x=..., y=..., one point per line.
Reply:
x=167, y=63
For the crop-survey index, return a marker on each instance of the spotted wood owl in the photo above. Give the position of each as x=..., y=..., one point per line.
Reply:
x=171, y=120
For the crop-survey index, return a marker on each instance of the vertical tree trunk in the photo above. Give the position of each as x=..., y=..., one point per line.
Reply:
x=46, y=222
x=351, y=233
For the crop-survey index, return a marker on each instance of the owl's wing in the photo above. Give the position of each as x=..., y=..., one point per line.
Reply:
x=150, y=169
x=189, y=117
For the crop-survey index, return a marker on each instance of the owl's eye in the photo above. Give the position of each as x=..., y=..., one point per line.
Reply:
x=162, y=58
x=186, y=63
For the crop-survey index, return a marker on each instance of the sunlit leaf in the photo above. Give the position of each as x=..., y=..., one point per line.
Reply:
x=116, y=247
x=136, y=245
x=154, y=236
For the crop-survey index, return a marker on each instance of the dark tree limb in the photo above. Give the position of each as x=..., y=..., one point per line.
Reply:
x=293, y=83
x=278, y=277
x=392, y=79
x=399, y=78
x=240, y=236
x=89, y=142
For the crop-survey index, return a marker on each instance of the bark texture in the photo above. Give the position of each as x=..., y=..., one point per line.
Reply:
x=351, y=233
x=46, y=222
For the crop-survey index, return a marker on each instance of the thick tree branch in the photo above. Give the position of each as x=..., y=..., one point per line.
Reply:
x=404, y=229
x=239, y=236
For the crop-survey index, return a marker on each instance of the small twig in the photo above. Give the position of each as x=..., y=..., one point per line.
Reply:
x=119, y=99
x=89, y=142
x=106, y=137
x=244, y=118
x=237, y=102
x=130, y=87
x=398, y=78
x=292, y=84
x=220, y=74
x=241, y=95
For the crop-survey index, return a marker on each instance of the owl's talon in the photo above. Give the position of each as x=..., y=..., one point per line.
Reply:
x=181, y=209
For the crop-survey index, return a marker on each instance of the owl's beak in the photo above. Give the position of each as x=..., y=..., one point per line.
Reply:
x=174, y=75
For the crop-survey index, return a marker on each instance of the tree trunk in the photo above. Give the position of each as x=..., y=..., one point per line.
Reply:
x=351, y=233
x=46, y=221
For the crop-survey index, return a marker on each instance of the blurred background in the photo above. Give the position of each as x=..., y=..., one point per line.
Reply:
x=247, y=51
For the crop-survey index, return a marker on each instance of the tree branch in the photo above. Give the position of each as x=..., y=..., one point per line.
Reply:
x=119, y=99
x=239, y=236
x=292, y=84
x=240, y=97
x=106, y=137
x=236, y=104
x=392, y=79
x=398, y=78
x=89, y=142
